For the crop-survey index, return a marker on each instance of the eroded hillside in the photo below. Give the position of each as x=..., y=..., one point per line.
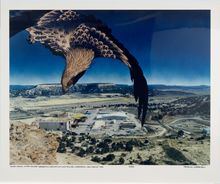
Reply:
x=32, y=146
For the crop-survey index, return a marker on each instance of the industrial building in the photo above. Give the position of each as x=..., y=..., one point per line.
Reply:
x=112, y=116
x=52, y=124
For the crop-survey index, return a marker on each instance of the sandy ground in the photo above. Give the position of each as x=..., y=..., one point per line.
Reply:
x=32, y=146
x=28, y=121
x=39, y=102
x=71, y=159
x=196, y=151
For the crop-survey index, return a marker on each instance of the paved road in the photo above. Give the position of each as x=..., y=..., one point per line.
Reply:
x=158, y=134
x=201, y=121
x=168, y=127
x=92, y=116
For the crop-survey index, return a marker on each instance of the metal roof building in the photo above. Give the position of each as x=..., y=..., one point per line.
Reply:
x=112, y=116
x=55, y=124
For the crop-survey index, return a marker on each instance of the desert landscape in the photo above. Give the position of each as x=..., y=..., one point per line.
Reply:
x=97, y=124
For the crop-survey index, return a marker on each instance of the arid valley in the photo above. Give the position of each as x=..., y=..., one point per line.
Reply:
x=97, y=124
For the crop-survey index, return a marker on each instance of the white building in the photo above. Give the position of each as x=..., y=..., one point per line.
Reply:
x=55, y=124
x=98, y=125
x=112, y=116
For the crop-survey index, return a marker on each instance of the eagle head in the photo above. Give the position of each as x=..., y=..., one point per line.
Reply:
x=77, y=62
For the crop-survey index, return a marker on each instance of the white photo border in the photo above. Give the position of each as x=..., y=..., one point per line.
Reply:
x=109, y=173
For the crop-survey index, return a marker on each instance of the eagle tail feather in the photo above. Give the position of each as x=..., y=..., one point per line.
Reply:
x=140, y=90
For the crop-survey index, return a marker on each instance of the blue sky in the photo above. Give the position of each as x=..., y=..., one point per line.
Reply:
x=172, y=47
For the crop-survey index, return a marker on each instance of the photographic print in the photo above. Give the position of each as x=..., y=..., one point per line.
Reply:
x=109, y=87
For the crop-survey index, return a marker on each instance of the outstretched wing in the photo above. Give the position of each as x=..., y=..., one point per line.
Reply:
x=55, y=30
x=22, y=19
x=65, y=32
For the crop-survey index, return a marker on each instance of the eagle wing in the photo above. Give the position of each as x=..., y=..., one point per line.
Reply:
x=65, y=30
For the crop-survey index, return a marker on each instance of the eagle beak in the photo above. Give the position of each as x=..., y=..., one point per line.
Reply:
x=68, y=80
x=65, y=86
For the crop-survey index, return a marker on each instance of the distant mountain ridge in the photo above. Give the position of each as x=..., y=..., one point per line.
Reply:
x=91, y=88
x=162, y=86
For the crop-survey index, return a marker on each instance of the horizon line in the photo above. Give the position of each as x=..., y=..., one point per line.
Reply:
x=110, y=83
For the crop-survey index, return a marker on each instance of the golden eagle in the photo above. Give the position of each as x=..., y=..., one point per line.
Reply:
x=79, y=39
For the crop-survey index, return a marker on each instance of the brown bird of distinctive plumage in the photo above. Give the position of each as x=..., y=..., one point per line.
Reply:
x=80, y=39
